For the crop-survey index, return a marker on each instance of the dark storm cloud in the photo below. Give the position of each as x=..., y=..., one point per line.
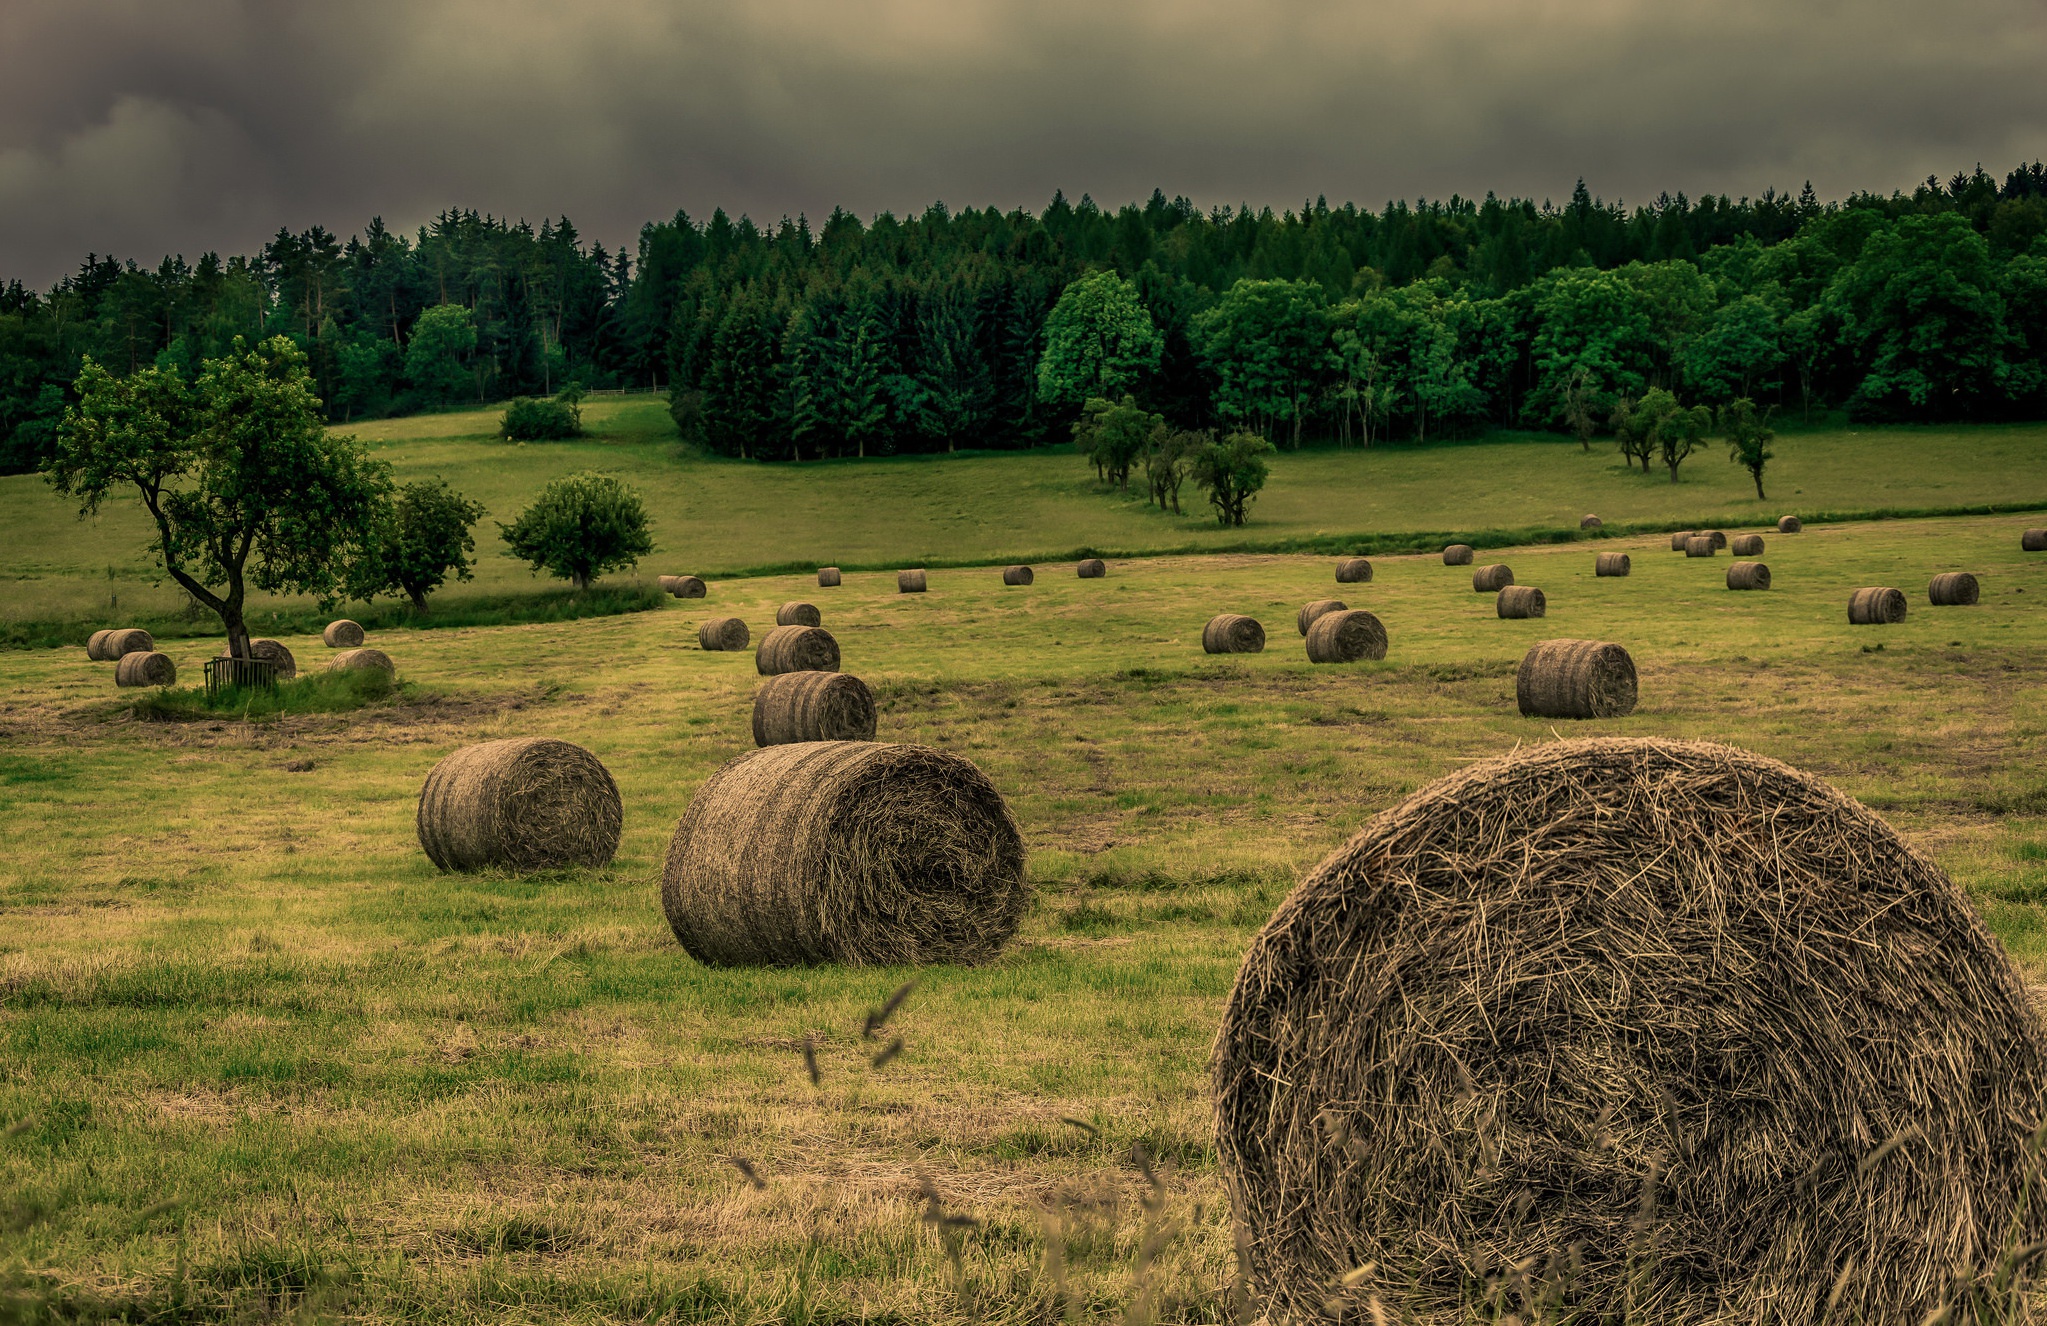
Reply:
x=140, y=128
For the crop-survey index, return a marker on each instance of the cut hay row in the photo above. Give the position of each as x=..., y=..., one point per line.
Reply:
x=1232, y=633
x=1612, y=564
x=1094, y=568
x=1520, y=601
x=145, y=668
x=112, y=646
x=1876, y=606
x=1576, y=679
x=1018, y=575
x=723, y=634
x=684, y=587
x=1458, y=554
x=1346, y=636
x=1748, y=575
x=1746, y=545
x=342, y=634
x=812, y=706
x=828, y=577
x=798, y=614
x=1953, y=589
x=1492, y=579
x=363, y=660
x=525, y=803
x=910, y=582
x=1353, y=571
x=277, y=656
x=796, y=649
x=1310, y=611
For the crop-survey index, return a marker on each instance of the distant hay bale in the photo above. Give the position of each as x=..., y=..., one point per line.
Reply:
x=1457, y=554
x=796, y=649
x=1310, y=611
x=1953, y=589
x=1094, y=568
x=1612, y=564
x=1700, y=545
x=2033, y=540
x=275, y=654
x=1789, y=524
x=798, y=614
x=524, y=803
x=1681, y=540
x=93, y=647
x=685, y=587
x=116, y=644
x=1876, y=606
x=1353, y=571
x=1590, y=522
x=723, y=633
x=668, y=583
x=1748, y=575
x=342, y=634
x=851, y=852
x=1650, y=1022
x=1746, y=545
x=1349, y=636
x=1492, y=579
x=812, y=706
x=1017, y=575
x=1719, y=537
x=1576, y=679
x=363, y=660
x=1232, y=633
x=910, y=582
x=1519, y=601
x=145, y=668
x=828, y=577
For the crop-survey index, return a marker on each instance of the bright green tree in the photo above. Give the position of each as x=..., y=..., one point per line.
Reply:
x=423, y=538
x=1923, y=305
x=1098, y=342
x=1748, y=435
x=1741, y=346
x=1269, y=345
x=437, y=359
x=1592, y=323
x=1115, y=436
x=1233, y=470
x=579, y=528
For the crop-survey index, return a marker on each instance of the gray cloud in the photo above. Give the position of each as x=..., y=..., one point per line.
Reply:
x=140, y=128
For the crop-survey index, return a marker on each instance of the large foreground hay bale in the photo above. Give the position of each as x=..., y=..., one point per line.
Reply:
x=828, y=577
x=1789, y=524
x=1876, y=606
x=1746, y=545
x=1458, y=554
x=1094, y=568
x=1517, y=601
x=1953, y=589
x=1700, y=545
x=94, y=650
x=796, y=649
x=1612, y=564
x=363, y=660
x=798, y=614
x=723, y=633
x=1018, y=575
x=1576, y=679
x=1353, y=571
x=910, y=582
x=812, y=706
x=1310, y=611
x=342, y=634
x=145, y=668
x=845, y=851
x=685, y=587
x=1232, y=633
x=277, y=656
x=1748, y=575
x=1681, y=540
x=1590, y=522
x=1492, y=579
x=1350, y=636
x=1670, y=1020
x=2033, y=540
x=526, y=803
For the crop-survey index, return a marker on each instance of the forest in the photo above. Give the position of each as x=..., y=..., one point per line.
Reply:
x=992, y=329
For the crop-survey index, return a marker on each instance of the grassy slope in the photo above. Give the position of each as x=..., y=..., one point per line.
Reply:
x=254, y=1035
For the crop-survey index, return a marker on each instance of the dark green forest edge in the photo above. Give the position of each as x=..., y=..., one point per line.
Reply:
x=928, y=334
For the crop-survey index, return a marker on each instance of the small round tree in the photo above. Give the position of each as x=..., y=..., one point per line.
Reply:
x=580, y=527
x=423, y=538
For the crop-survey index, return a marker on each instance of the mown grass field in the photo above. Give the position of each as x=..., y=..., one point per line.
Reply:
x=256, y=1055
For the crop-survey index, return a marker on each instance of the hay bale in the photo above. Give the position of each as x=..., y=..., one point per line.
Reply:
x=1492, y=579
x=1681, y=540
x=2033, y=540
x=1094, y=568
x=342, y=634
x=1310, y=611
x=1590, y=522
x=145, y=668
x=910, y=582
x=1457, y=554
x=796, y=649
x=1746, y=545
x=1518, y=601
x=1748, y=575
x=828, y=577
x=524, y=803
x=1700, y=545
x=1612, y=564
x=1576, y=679
x=1789, y=524
x=1876, y=606
x=363, y=660
x=812, y=706
x=1017, y=575
x=798, y=614
x=1719, y=537
x=723, y=633
x=1353, y=571
x=668, y=583
x=1232, y=633
x=121, y=642
x=94, y=647
x=1350, y=636
x=685, y=587
x=275, y=654
x=845, y=851
x=1953, y=589
x=1665, y=1005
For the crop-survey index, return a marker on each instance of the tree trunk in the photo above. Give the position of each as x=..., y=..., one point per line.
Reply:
x=581, y=580
x=418, y=598
x=1758, y=474
x=237, y=631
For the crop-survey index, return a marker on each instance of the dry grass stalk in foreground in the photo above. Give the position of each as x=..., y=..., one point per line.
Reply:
x=525, y=803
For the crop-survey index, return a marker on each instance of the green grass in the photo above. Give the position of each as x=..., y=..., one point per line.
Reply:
x=316, y=693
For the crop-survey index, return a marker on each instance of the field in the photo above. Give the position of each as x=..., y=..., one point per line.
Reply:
x=257, y=1055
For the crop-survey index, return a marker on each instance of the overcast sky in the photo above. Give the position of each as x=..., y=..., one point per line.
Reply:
x=141, y=127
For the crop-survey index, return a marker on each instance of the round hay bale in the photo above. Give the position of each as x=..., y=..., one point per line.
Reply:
x=363, y=660
x=798, y=614
x=94, y=647
x=524, y=803
x=1232, y=633
x=1590, y=522
x=2034, y=540
x=275, y=654
x=1612, y=564
x=1017, y=575
x=1350, y=636
x=1748, y=575
x=1576, y=679
x=1310, y=611
x=1719, y=537
x=668, y=583
x=685, y=587
x=1876, y=606
x=1789, y=524
x=121, y=642
x=145, y=668
x=1746, y=545
x=812, y=706
x=1648, y=1016
x=1457, y=554
x=1094, y=568
x=796, y=649
x=909, y=582
x=1700, y=545
x=1681, y=540
x=723, y=633
x=1517, y=601
x=1353, y=571
x=828, y=577
x=1492, y=579
x=845, y=851
x=343, y=634
x=1953, y=589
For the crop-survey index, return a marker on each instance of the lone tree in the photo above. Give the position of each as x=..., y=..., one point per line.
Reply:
x=1681, y=432
x=580, y=527
x=1233, y=470
x=236, y=469
x=1748, y=438
x=423, y=538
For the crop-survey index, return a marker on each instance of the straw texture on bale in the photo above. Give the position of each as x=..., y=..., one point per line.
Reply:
x=1789, y=524
x=1612, y=564
x=909, y=582
x=685, y=587
x=1353, y=571
x=1232, y=633
x=1719, y=537
x=1017, y=575
x=1350, y=636
x=1876, y=606
x=1681, y=540
x=119, y=643
x=1094, y=568
x=1748, y=575
x=93, y=646
x=145, y=668
x=1458, y=554
x=796, y=649
x=828, y=577
x=2033, y=540
x=1746, y=545
x=363, y=660
x=845, y=851
x=1590, y=522
x=798, y=614
x=1520, y=601
x=1673, y=1022
x=723, y=633
x=1576, y=679
x=525, y=803
x=1953, y=589
x=1700, y=545
x=275, y=654
x=1310, y=611
x=1492, y=579
x=812, y=706
x=343, y=634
